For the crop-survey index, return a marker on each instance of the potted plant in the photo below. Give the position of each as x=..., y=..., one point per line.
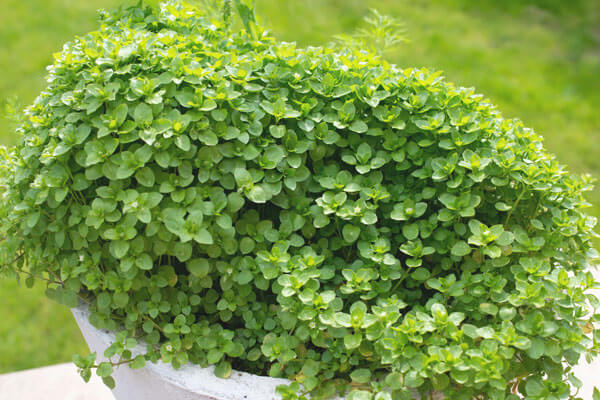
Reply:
x=348, y=228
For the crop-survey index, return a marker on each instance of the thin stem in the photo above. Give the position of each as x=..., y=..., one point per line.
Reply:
x=397, y=285
x=15, y=260
x=41, y=278
x=60, y=281
x=515, y=205
x=85, y=300
x=153, y=323
x=115, y=364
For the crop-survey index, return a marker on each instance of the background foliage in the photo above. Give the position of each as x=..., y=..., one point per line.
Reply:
x=536, y=59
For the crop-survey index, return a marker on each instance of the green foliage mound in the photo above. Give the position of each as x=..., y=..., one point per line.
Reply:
x=315, y=214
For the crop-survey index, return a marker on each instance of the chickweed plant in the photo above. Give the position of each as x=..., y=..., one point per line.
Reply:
x=316, y=214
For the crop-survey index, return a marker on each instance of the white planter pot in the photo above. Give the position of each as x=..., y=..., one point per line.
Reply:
x=162, y=382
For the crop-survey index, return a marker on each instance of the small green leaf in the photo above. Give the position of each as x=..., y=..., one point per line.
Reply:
x=352, y=341
x=203, y=236
x=310, y=368
x=277, y=131
x=369, y=218
x=350, y=233
x=537, y=348
x=143, y=114
x=360, y=395
x=485, y=332
x=413, y=380
x=489, y=308
x=223, y=369
x=361, y=375
x=121, y=299
x=258, y=195
x=144, y=262
x=109, y=381
x=420, y=274
x=104, y=369
x=534, y=387
x=507, y=313
x=460, y=249
x=358, y=127
x=199, y=267
x=145, y=177
x=242, y=177
x=410, y=231
x=138, y=362
x=505, y=239
x=103, y=300
x=119, y=248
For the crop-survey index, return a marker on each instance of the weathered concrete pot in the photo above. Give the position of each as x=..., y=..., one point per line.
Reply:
x=191, y=382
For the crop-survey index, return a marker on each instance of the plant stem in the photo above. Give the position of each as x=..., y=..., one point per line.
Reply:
x=153, y=323
x=515, y=205
x=115, y=364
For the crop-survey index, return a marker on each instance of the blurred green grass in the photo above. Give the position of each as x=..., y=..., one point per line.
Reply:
x=539, y=60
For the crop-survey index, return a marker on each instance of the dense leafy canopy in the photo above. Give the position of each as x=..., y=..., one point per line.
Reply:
x=315, y=214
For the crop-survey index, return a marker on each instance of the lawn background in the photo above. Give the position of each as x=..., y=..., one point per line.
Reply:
x=539, y=60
